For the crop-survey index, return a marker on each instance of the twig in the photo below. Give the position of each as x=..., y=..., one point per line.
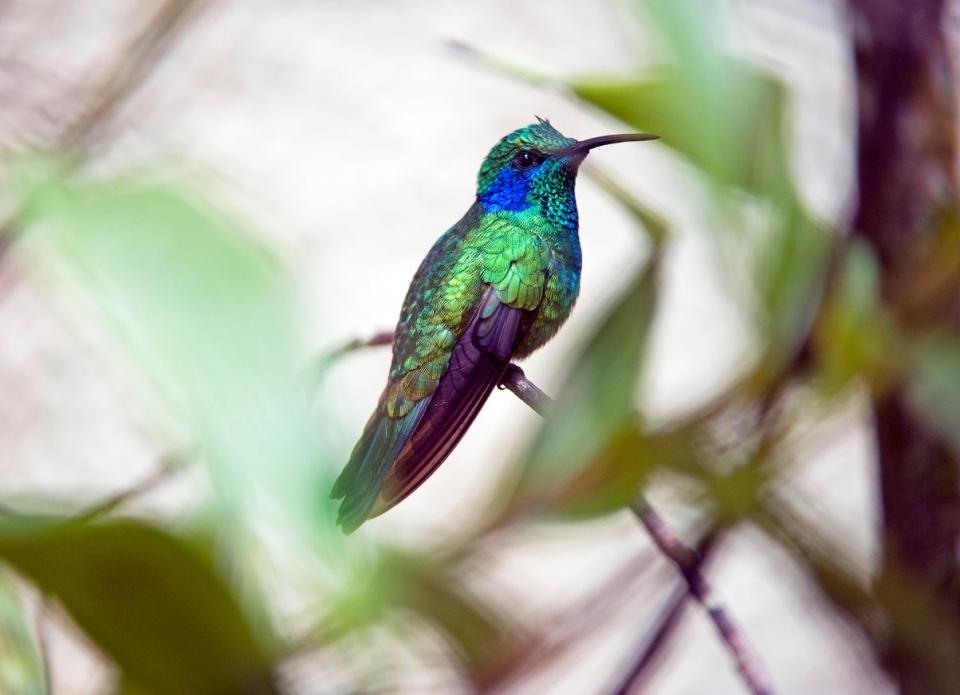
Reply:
x=665, y=626
x=166, y=468
x=565, y=631
x=151, y=481
x=687, y=560
x=136, y=63
x=376, y=340
x=524, y=389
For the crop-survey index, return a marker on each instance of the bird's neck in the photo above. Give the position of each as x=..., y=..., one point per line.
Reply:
x=552, y=200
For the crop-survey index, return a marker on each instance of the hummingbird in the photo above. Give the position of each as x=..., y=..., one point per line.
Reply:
x=495, y=287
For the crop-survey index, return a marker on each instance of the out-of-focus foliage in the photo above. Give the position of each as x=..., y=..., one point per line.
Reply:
x=934, y=384
x=824, y=315
x=854, y=335
x=427, y=589
x=153, y=602
x=594, y=410
x=728, y=121
x=211, y=314
x=21, y=670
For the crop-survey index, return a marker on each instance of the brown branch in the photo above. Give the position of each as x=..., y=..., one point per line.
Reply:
x=687, y=560
x=325, y=360
x=524, y=389
x=689, y=563
x=666, y=625
x=906, y=192
x=566, y=630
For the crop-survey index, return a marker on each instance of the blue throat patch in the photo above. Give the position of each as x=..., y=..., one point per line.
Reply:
x=508, y=191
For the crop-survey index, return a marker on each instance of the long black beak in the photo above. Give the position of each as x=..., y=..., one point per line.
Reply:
x=584, y=146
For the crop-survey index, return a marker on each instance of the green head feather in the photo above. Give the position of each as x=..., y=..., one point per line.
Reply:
x=530, y=168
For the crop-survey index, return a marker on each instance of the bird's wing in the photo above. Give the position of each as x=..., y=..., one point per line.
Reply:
x=476, y=366
x=396, y=454
x=456, y=337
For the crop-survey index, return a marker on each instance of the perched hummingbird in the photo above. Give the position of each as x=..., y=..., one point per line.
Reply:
x=496, y=286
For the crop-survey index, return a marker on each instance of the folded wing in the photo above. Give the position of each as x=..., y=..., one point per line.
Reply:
x=396, y=455
x=477, y=366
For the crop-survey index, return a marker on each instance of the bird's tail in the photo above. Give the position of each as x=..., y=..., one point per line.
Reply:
x=358, y=485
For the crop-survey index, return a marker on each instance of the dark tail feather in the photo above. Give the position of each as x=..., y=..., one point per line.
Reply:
x=477, y=365
x=442, y=427
x=360, y=482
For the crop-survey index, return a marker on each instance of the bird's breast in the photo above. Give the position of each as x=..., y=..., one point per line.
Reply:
x=561, y=287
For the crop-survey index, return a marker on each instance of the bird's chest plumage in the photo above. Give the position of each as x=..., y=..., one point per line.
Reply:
x=533, y=264
x=560, y=290
x=532, y=258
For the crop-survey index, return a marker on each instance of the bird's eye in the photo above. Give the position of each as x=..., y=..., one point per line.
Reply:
x=524, y=159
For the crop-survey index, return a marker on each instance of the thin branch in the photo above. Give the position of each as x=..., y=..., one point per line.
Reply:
x=376, y=340
x=166, y=468
x=129, y=71
x=687, y=560
x=524, y=389
x=566, y=630
x=666, y=625
x=132, y=69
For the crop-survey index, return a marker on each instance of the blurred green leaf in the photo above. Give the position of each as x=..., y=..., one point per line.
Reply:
x=854, y=337
x=595, y=407
x=728, y=120
x=727, y=134
x=21, y=667
x=212, y=315
x=735, y=137
x=428, y=589
x=789, y=275
x=734, y=494
x=933, y=384
x=651, y=222
x=612, y=478
x=151, y=601
x=724, y=117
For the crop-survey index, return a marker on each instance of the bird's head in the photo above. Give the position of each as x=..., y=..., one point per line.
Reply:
x=536, y=166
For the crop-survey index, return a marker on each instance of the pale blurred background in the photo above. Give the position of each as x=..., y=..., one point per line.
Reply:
x=350, y=134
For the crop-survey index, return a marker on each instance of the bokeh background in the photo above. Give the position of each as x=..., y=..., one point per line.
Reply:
x=202, y=198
